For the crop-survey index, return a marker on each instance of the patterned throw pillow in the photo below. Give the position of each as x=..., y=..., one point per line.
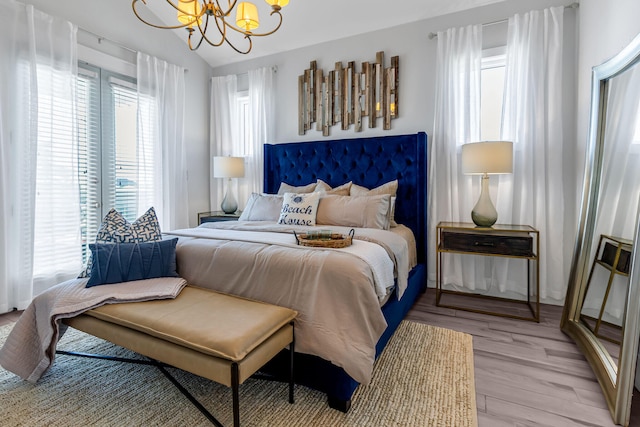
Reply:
x=116, y=229
x=299, y=209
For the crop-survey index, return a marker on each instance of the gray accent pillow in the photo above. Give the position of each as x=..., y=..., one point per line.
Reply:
x=340, y=190
x=286, y=188
x=354, y=211
x=390, y=188
x=262, y=207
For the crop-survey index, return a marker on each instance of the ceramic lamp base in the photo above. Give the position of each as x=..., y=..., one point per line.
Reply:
x=229, y=204
x=484, y=214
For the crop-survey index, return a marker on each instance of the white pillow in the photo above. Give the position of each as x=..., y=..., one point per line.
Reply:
x=390, y=188
x=286, y=188
x=355, y=211
x=299, y=209
x=262, y=207
x=341, y=190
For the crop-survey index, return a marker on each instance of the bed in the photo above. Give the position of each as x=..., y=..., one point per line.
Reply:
x=368, y=162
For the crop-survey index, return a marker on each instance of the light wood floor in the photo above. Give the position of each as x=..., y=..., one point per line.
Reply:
x=526, y=374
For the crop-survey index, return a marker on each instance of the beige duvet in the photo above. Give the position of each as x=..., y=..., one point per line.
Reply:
x=334, y=291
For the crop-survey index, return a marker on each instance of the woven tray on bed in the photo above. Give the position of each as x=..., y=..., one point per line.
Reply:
x=330, y=240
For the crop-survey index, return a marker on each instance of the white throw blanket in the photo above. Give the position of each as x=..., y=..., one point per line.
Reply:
x=30, y=347
x=373, y=254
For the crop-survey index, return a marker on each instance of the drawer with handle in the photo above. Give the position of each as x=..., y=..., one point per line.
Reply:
x=503, y=244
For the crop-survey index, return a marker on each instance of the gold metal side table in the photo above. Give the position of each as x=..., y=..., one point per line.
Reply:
x=501, y=240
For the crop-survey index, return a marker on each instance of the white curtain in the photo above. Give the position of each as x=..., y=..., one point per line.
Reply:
x=617, y=211
x=224, y=92
x=262, y=124
x=533, y=112
x=39, y=205
x=229, y=123
x=533, y=194
x=162, y=166
x=457, y=121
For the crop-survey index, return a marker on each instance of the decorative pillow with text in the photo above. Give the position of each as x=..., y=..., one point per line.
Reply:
x=299, y=209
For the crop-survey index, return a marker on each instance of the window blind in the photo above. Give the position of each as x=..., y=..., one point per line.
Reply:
x=56, y=231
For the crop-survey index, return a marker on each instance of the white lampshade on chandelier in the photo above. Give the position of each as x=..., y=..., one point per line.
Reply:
x=228, y=167
x=486, y=158
x=203, y=15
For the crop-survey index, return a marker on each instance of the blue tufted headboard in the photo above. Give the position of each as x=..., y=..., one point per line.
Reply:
x=369, y=162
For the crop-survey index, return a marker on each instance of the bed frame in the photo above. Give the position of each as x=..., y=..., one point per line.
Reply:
x=369, y=162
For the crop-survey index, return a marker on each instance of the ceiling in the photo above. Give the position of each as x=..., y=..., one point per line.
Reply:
x=309, y=22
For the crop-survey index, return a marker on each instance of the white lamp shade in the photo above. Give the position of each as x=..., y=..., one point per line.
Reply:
x=228, y=167
x=490, y=157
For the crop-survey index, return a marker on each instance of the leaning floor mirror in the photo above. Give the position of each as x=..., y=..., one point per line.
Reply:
x=602, y=308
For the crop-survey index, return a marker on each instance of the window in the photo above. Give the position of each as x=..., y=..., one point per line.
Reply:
x=99, y=151
x=492, y=91
x=109, y=164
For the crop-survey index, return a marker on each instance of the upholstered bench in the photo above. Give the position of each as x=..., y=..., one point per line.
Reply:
x=220, y=337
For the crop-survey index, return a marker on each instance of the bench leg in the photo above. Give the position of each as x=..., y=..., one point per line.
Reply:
x=236, y=398
x=161, y=367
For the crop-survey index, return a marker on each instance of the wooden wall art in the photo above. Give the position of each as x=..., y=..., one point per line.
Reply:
x=345, y=96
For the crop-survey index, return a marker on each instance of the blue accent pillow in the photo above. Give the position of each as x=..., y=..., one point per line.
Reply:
x=124, y=262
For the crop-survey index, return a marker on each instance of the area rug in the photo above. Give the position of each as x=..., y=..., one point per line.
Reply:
x=424, y=377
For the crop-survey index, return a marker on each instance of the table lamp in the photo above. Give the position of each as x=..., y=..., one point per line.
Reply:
x=228, y=167
x=486, y=158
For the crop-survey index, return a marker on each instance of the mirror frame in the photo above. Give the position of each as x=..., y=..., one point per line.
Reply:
x=616, y=381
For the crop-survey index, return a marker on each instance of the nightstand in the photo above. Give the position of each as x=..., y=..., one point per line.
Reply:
x=501, y=240
x=216, y=216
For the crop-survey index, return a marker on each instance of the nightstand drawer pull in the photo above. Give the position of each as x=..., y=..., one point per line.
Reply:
x=485, y=244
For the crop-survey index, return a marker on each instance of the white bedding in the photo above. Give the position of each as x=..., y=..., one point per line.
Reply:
x=376, y=256
x=335, y=291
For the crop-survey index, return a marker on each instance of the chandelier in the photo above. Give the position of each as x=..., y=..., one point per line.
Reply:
x=199, y=15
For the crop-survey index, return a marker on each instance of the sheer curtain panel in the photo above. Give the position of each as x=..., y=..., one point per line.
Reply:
x=457, y=121
x=533, y=115
x=532, y=120
x=262, y=112
x=242, y=132
x=162, y=166
x=224, y=92
x=39, y=205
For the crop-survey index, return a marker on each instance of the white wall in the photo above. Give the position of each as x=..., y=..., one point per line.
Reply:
x=115, y=21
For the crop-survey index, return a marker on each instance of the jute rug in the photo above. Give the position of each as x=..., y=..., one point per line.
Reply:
x=423, y=378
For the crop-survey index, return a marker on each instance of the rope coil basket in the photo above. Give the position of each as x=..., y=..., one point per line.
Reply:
x=329, y=240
